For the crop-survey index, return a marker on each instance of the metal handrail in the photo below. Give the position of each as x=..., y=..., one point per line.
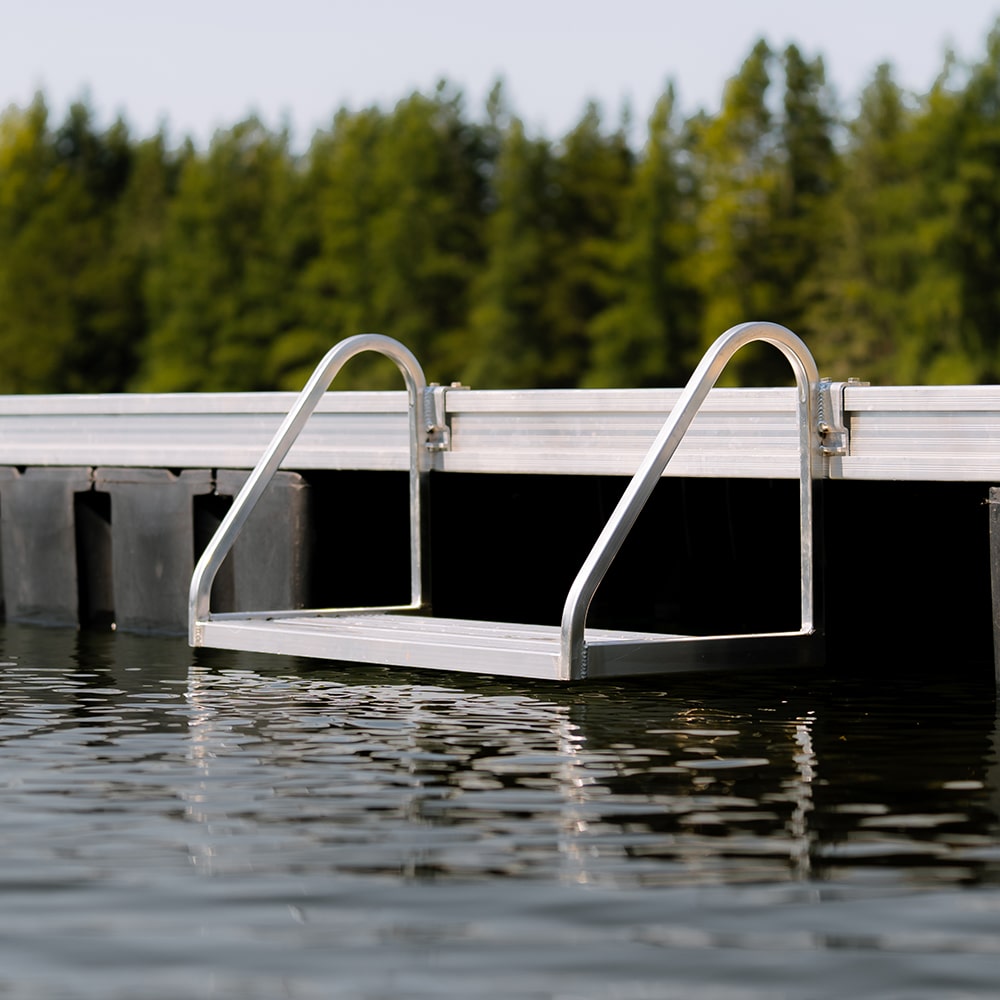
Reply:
x=199, y=596
x=640, y=487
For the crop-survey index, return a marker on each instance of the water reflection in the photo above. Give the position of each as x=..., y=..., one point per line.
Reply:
x=281, y=821
x=410, y=778
x=250, y=764
x=910, y=785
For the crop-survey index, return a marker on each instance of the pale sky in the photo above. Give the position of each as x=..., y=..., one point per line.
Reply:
x=198, y=65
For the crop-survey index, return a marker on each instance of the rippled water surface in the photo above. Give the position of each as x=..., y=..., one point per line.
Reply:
x=216, y=825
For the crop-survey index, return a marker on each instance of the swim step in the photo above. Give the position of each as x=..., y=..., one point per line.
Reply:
x=501, y=648
x=409, y=636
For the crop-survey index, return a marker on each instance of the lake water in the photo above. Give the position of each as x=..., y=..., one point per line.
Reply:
x=210, y=825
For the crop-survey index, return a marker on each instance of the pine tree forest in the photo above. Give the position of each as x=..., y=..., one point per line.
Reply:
x=507, y=259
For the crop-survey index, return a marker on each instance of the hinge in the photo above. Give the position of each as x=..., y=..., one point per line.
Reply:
x=830, y=422
x=436, y=427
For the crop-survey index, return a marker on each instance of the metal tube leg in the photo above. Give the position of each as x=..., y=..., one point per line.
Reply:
x=994, y=503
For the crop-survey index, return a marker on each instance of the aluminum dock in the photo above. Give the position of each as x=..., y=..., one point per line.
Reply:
x=107, y=502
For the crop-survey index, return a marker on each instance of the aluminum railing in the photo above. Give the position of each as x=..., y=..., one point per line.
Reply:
x=597, y=563
x=571, y=660
x=416, y=385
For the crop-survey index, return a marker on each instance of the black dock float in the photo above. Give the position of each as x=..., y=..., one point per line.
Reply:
x=152, y=542
x=38, y=539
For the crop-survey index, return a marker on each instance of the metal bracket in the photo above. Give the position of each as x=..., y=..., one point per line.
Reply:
x=830, y=422
x=436, y=425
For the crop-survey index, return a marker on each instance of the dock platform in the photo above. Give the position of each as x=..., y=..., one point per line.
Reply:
x=124, y=493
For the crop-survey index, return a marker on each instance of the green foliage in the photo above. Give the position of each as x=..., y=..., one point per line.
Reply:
x=648, y=331
x=737, y=161
x=872, y=261
x=546, y=275
x=507, y=259
x=399, y=236
x=509, y=338
x=334, y=288
x=809, y=175
x=218, y=285
x=973, y=205
x=70, y=297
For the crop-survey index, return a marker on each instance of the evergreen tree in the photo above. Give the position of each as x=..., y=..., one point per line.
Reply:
x=509, y=260
x=218, y=287
x=549, y=247
x=426, y=234
x=809, y=175
x=592, y=173
x=972, y=149
x=766, y=185
x=739, y=170
x=400, y=204
x=334, y=291
x=510, y=340
x=882, y=276
x=649, y=331
x=70, y=307
x=867, y=267
x=34, y=318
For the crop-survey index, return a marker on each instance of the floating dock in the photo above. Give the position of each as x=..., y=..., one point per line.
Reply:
x=107, y=502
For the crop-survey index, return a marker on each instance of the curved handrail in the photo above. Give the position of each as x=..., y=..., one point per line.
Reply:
x=218, y=548
x=640, y=487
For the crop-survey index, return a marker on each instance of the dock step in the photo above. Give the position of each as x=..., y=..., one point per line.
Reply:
x=502, y=648
x=408, y=636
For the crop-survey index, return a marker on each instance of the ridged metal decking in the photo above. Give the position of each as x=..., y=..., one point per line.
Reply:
x=511, y=650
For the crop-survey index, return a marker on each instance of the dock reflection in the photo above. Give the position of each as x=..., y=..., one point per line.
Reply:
x=278, y=764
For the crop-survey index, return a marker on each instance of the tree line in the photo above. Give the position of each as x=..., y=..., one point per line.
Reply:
x=507, y=259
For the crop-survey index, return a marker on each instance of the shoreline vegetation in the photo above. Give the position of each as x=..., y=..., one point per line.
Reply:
x=511, y=260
